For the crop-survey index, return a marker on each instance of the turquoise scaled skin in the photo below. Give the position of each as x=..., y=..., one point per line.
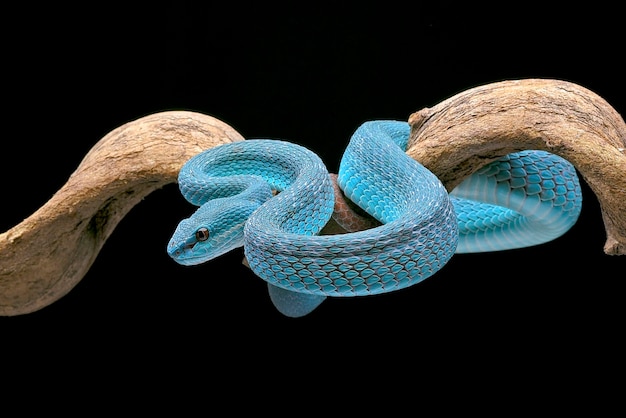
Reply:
x=523, y=199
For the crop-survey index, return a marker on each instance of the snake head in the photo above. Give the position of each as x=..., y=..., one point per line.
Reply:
x=215, y=228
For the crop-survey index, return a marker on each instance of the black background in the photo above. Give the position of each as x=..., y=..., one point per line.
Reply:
x=310, y=74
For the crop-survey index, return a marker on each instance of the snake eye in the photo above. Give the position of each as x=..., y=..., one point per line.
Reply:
x=202, y=234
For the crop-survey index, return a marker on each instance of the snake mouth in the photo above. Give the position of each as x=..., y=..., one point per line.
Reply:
x=185, y=256
x=182, y=254
x=190, y=253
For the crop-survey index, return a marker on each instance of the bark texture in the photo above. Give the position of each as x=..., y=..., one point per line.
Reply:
x=452, y=139
x=461, y=134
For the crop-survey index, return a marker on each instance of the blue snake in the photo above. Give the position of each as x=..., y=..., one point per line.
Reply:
x=273, y=197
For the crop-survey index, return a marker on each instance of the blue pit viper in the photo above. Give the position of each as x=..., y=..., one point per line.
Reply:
x=273, y=197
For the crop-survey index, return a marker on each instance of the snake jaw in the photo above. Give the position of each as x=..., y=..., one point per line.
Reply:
x=182, y=253
x=193, y=252
x=189, y=254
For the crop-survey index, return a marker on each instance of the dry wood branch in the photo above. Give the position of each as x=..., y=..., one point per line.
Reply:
x=121, y=169
x=457, y=136
x=452, y=139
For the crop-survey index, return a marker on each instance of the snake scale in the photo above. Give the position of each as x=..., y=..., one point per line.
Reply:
x=273, y=198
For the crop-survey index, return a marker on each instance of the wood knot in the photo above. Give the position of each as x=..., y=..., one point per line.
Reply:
x=417, y=119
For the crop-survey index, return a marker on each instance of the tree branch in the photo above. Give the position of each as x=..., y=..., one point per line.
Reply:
x=461, y=134
x=126, y=165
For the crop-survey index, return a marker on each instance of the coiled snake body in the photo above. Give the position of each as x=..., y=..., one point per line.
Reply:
x=523, y=199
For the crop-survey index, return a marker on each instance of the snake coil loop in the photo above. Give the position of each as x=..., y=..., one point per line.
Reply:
x=520, y=200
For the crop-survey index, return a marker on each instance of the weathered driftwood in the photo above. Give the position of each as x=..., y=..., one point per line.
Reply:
x=464, y=132
x=452, y=139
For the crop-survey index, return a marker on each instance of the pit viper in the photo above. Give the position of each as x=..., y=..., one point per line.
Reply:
x=273, y=197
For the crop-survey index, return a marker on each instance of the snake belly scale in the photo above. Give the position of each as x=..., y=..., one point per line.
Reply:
x=273, y=197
